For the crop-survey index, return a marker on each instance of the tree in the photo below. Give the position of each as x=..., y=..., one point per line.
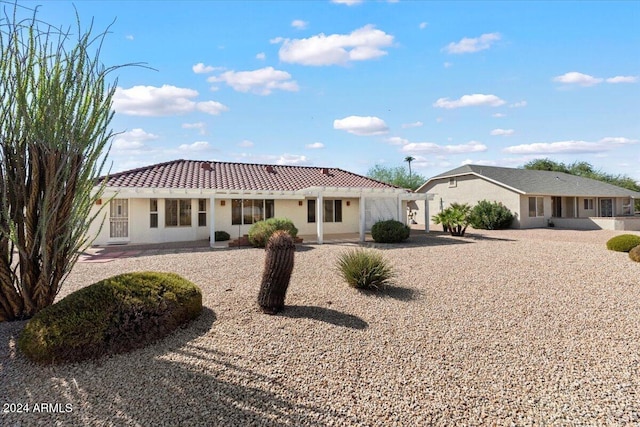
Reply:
x=409, y=159
x=55, y=111
x=397, y=176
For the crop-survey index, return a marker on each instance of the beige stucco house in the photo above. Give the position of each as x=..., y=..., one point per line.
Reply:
x=186, y=200
x=537, y=197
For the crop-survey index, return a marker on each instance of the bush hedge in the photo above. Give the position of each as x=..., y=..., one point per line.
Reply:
x=488, y=215
x=365, y=269
x=623, y=242
x=634, y=254
x=221, y=236
x=261, y=231
x=112, y=316
x=390, y=231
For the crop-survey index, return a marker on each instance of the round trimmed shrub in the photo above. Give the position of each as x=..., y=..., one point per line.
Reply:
x=112, y=316
x=623, y=242
x=634, y=254
x=390, y=231
x=221, y=236
x=261, y=231
x=488, y=215
x=365, y=269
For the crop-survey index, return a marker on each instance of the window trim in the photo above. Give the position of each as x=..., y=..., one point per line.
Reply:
x=153, y=213
x=202, y=213
x=336, y=210
x=180, y=203
x=589, y=202
x=238, y=208
x=453, y=182
x=538, y=207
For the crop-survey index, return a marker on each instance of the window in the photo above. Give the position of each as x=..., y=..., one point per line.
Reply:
x=248, y=211
x=332, y=210
x=452, y=182
x=536, y=207
x=177, y=212
x=588, y=204
x=202, y=212
x=153, y=213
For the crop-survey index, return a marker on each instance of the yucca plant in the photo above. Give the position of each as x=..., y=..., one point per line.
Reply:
x=365, y=269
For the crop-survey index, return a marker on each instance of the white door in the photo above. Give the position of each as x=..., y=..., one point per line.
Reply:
x=119, y=220
x=380, y=209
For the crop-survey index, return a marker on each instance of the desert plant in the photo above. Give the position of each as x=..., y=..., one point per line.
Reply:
x=365, y=269
x=221, y=236
x=55, y=113
x=488, y=215
x=623, y=242
x=112, y=316
x=261, y=231
x=390, y=231
x=278, y=265
x=455, y=218
x=634, y=254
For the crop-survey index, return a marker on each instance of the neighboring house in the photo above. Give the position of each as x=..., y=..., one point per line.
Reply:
x=185, y=200
x=537, y=197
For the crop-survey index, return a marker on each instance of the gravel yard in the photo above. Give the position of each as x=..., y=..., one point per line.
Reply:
x=515, y=327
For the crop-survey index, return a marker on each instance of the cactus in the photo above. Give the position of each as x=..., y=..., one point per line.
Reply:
x=278, y=265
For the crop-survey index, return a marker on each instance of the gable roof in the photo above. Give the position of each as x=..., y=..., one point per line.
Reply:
x=525, y=181
x=192, y=174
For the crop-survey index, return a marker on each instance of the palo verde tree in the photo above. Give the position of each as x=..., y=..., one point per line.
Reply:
x=55, y=112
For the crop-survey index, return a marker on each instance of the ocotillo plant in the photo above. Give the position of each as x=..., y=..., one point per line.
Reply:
x=278, y=265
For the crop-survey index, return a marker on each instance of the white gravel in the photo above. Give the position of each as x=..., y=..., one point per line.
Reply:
x=537, y=327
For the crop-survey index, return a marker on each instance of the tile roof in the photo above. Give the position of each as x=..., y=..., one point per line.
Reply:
x=191, y=174
x=539, y=182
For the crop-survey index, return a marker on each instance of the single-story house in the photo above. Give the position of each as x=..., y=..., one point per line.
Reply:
x=537, y=197
x=186, y=200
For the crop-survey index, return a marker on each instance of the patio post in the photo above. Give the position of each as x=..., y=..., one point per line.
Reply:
x=426, y=214
x=362, y=218
x=212, y=220
x=320, y=218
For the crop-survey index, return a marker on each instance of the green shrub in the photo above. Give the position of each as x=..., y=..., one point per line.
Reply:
x=488, y=215
x=454, y=219
x=390, y=231
x=221, y=236
x=623, y=242
x=112, y=316
x=261, y=231
x=365, y=269
x=634, y=254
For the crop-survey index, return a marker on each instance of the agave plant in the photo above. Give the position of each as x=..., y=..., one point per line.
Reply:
x=455, y=218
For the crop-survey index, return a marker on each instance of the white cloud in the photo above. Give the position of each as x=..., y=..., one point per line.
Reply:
x=361, y=125
x=315, y=146
x=469, y=45
x=211, y=107
x=447, y=64
x=423, y=25
x=562, y=147
x=336, y=49
x=433, y=148
x=498, y=115
x=396, y=140
x=519, y=104
x=474, y=100
x=292, y=159
x=245, y=143
x=299, y=24
x=261, y=56
x=412, y=125
x=347, y=2
x=132, y=140
x=197, y=146
x=201, y=126
x=502, y=132
x=129, y=37
x=160, y=101
x=622, y=79
x=200, y=68
x=262, y=81
x=581, y=79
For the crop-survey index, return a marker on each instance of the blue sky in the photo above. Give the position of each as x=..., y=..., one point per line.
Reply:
x=352, y=84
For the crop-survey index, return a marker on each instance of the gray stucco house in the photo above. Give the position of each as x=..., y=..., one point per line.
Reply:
x=537, y=197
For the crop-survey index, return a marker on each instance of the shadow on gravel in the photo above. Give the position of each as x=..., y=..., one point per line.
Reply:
x=181, y=380
x=322, y=314
x=396, y=292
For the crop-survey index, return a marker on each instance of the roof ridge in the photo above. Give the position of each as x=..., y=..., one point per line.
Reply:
x=139, y=169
